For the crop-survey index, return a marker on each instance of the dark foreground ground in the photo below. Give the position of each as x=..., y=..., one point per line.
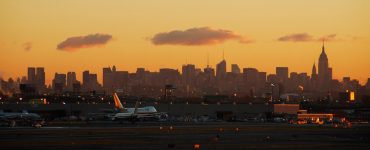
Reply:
x=183, y=136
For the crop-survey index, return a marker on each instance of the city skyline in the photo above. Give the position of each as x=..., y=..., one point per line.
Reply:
x=185, y=74
x=225, y=67
x=254, y=34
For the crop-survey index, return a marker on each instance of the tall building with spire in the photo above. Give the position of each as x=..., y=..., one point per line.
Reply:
x=221, y=68
x=314, y=77
x=324, y=74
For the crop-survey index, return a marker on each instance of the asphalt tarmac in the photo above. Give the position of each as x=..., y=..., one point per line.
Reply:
x=159, y=136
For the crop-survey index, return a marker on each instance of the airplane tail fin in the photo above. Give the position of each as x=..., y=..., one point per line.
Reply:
x=136, y=107
x=117, y=103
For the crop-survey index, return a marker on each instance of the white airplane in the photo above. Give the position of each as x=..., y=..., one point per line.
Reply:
x=132, y=114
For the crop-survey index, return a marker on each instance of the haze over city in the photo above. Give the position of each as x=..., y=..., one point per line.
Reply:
x=130, y=34
x=185, y=74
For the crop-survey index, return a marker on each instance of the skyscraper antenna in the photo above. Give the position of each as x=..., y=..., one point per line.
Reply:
x=207, y=60
x=223, y=54
x=323, y=44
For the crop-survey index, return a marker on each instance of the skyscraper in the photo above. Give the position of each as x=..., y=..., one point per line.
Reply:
x=252, y=76
x=314, y=78
x=40, y=78
x=209, y=74
x=108, y=79
x=31, y=76
x=324, y=74
x=59, y=82
x=114, y=80
x=188, y=74
x=71, y=79
x=86, y=80
x=282, y=74
x=367, y=85
x=221, y=70
x=235, y=68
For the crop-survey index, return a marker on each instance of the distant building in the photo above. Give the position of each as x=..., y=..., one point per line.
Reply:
x=59, y=83
x=40, y=78
x=31, y=76
x=221, y=70
x=90, y=82
x=367, y=85
x=314, y=79
x=272, y=78
x=36, y=79
x=235, y=68
x=71, y=80
x=282, y=74
x=188, y=74
x=325, y=73
x=114, y=80
x=86, y=78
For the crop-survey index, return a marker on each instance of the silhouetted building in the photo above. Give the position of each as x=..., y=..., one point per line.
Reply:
x=235, y=68
x=59, y=82
x=252, y=77
x=31, y=76
x=71, y=80
x=40, y=78
x=367, y=85
x=314, y=79
x=282, y=74
x=272, y=78
x=221, y=70
x=325, y=73
x=90, y=82
x=188, y=74
x=36, y=78
x=86, y=78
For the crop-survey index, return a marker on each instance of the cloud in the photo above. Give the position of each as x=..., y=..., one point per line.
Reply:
x=330, y=37
x=197, y=36
x=27, y=46
x=297, y=37
x=305, y=37
x=77, y=42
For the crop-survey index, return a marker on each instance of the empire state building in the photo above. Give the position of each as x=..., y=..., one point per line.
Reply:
x=325, y=73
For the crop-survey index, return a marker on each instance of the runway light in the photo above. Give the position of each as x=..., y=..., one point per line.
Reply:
x=171, y=128
x=237, y=129
x=160, y=128
x=221, y=129
x=196, y=146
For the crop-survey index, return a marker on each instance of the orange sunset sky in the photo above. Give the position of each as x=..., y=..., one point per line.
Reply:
x=77, y=35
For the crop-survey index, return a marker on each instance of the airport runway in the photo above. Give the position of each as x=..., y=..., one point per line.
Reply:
x=183, y=136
